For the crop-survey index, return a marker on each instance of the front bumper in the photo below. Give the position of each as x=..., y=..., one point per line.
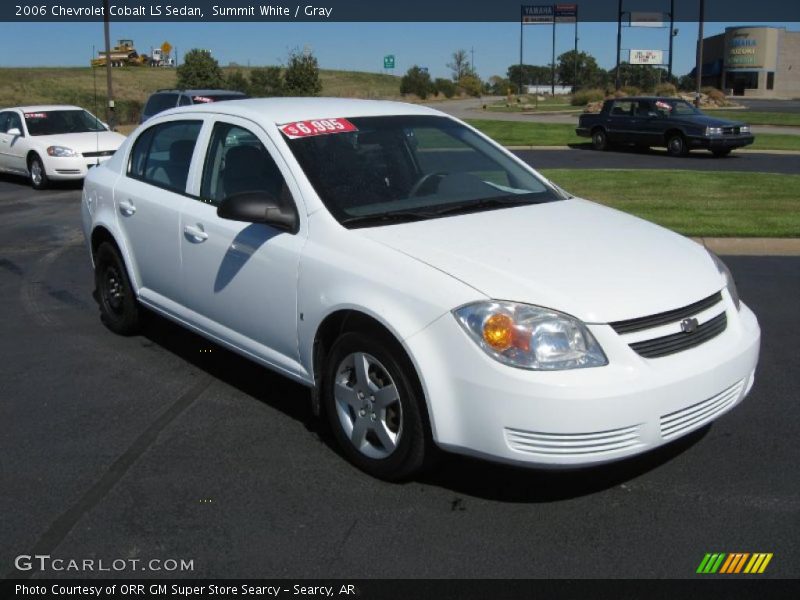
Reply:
x=72, y=167
x=580, y=417
x=721, y=142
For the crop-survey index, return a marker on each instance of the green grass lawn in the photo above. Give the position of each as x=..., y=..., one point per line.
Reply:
x=518, y=133
x=695, y=203
x=757, y=118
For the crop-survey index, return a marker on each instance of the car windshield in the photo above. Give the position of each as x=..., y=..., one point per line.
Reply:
x=52, y=122
x=375, y=170
x=677, y=108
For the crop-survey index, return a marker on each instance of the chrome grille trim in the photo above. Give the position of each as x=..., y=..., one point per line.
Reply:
x=670, y=316
x=578, y=444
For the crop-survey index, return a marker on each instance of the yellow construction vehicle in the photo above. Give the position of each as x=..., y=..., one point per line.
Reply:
x=122, y=55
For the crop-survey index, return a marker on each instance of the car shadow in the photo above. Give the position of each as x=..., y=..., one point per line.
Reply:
x=460, y=474
x=24, y=182
x=699, y=154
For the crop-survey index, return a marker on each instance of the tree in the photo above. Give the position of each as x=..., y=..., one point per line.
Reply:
x=528, y=75
x=471, y=84
x=302, y=75
x=266, y=81
x=460, y=65
x=238, y=82
x=200, y=70
x=589, y=73
x=416, y=81
x=498, y=86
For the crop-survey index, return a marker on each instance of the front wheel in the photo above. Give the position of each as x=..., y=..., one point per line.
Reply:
x=119, y=309
x=38, y=175
x=375, y=407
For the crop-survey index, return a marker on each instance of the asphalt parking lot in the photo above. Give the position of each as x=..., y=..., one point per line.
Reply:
x=166, y=446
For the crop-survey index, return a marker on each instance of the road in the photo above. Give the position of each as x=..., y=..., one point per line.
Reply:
x=166, y=446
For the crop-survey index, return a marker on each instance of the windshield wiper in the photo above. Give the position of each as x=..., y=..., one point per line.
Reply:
x=388, y=217
x=494, y=202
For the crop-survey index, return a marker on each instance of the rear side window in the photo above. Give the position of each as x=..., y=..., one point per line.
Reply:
x=162, y=154
x=160, y=102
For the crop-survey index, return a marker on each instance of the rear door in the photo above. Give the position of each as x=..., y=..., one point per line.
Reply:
x=240, y=279
x=148, y=200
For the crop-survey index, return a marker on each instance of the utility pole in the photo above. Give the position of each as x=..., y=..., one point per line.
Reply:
x=671, y=34
x=472, y=60
x=111, y=116
x=699, y=65
x=553, y=61
x=519, y=90
x=617, y=83
x=575, y=79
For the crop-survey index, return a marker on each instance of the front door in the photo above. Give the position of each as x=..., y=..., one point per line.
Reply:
x=240, y=279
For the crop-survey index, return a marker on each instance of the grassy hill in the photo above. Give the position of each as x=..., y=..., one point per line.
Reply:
x=132, y=86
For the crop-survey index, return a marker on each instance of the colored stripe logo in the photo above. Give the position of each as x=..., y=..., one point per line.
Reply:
x=734, y=563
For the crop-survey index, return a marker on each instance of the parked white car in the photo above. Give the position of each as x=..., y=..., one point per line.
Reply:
x=430, y=287
x=49, y=143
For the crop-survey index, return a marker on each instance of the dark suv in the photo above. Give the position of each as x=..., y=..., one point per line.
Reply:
x=161, y=100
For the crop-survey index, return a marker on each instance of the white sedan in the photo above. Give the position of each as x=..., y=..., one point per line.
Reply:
x=48, y=143
x=430, y=288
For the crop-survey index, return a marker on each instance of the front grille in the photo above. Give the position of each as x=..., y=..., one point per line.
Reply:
x=677, y=342
x=666, y=317
x=679, y=422
x=572, y=444
x=100, y=153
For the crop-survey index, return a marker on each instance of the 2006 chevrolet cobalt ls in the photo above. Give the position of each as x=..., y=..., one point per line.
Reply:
x=430, y=287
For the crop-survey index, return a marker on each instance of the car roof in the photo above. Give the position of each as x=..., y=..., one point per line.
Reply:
x=286, y=110
x=648, y=98
x=199, y=92
x=43, y=107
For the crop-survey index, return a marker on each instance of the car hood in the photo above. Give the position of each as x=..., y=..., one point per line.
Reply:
x=82, y=142
x=706, y=121
x=575, y=256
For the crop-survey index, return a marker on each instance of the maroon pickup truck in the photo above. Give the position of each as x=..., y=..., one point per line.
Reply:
x=668, y=122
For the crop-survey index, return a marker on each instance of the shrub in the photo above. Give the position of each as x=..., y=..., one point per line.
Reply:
x=445, y=87
x=714, y=93
x=302, y=75
x=236, y=81
x=416, y=81
x=666, y=89
x=584, y=97
x=265, y=82
x=471, y=85
x=630, y=90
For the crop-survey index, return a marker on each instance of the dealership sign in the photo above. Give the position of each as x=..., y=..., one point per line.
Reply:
x=535, y=15
x=647, y=19
x=566, y=13
x=646, y=57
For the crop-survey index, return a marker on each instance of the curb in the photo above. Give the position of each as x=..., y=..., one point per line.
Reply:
x=751, y=246
x=738, y=151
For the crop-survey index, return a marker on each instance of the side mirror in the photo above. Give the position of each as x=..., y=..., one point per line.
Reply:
x=14, y=131
x=259, y=207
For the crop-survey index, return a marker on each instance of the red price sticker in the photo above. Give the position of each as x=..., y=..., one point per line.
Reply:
x=39, y=115
x=317, y=127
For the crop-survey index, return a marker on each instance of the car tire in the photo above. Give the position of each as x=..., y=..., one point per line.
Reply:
x=721, y=153
x=119, y=309
x=676, y=145
x=599, y=139
x=38, y=175
x=375, y=407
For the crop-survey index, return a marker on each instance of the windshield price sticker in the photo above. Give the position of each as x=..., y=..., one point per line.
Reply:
x=202, y=99
x=318, y=127
x=663, y=105
x=39, y=115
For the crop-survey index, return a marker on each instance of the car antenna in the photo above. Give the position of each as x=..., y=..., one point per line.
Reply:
x=96, y=119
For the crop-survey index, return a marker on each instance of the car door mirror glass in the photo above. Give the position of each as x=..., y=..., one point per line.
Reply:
x=258, y=207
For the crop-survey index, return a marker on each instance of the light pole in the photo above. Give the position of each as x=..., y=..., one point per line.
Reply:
x=699, y=65
x=617, y=83
x=110, y=115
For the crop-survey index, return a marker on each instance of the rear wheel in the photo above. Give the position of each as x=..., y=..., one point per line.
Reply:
x=375, y=407
x=119, y=309
x=38, y=175
x=599, y=139
x=676, y=145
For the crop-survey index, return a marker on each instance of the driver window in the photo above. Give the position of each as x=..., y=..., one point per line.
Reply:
x=237, y=162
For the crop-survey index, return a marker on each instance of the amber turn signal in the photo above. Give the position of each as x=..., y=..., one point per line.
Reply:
x=498, y=332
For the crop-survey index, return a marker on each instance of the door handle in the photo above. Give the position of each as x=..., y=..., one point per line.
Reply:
x=196, y=233
x=127, y=208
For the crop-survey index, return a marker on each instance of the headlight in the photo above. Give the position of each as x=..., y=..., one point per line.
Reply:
x=744, y=129
x=729, y=282
x=61, y=151
x=530, y=337
x=713, y=130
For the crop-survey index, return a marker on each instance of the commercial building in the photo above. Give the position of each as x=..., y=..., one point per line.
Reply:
x=761, y=62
